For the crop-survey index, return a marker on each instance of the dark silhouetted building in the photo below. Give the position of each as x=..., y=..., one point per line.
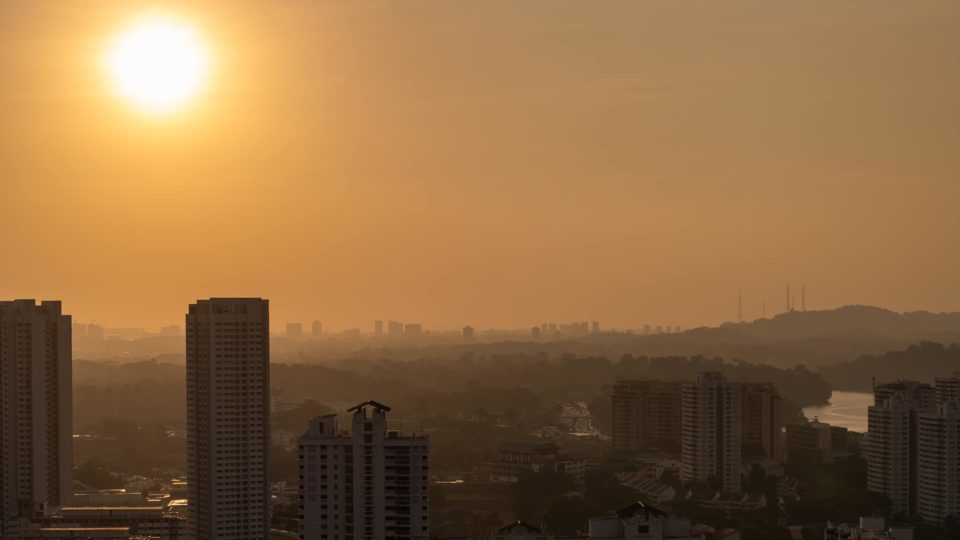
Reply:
x=814, y=443
x=228, y=418
x=761, y=418
x=711, y=432
x=317, y=329
x=36, y=434
x=646, y=414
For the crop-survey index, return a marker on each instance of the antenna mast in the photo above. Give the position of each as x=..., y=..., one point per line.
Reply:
x=740, y=304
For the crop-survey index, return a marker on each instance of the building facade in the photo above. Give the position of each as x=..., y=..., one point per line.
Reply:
x=711, y=431
x=228, y=418
x=147, y=521
x=809, y=444
x=891, y=442
x=646, y=414
x=36, y=433
x=938, y=463
x=948, y=388
x=515, y=459
x=761, y=418
x=369, y=484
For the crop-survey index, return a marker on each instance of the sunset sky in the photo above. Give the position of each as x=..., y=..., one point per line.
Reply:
x=488, y=162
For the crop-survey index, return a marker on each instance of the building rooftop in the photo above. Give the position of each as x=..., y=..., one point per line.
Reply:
x=374, y=404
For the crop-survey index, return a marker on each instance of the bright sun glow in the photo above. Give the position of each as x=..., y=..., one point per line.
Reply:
x=158, y=64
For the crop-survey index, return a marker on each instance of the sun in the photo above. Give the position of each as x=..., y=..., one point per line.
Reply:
x=158, y=63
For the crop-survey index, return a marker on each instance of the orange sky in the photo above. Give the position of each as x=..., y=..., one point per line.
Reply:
x=490, y=162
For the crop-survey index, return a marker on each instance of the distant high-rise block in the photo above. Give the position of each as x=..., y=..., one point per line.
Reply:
x=95, y=332
x=412, y=329
x=468, y=333
x=646, y=414
x=711, y=431
x=595, y=327
x=535, y=332
x=294, y=330
x=395, y=328
x=938, y=462
x=891, y=442
x=36, y=435
x=228, y=419
x=371, y=483
x=378, y=328
x=761, y=419
x=317, y=329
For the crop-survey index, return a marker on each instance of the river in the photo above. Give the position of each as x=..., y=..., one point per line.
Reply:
x=846, y=409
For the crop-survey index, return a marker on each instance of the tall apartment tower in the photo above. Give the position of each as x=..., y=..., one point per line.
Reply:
x=711, y=431
x=36, y=416
x=370, y=484
x=948, y=387
x=891, y=443
x=938, y=462
x=761, y=419
x=228, y=418
x=646, y=414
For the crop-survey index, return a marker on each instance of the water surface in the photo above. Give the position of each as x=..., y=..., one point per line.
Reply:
x=846, y=409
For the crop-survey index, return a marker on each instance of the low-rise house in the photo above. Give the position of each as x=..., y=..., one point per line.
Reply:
x=869, y=528
x=639, y=521
x=649, y=489
x=516, y=458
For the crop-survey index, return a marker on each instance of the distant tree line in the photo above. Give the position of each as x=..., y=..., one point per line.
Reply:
x=923, y=361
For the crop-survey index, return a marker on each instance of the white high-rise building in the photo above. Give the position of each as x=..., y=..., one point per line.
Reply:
x=36, y=434
x=370, y=484
x=938, y=463
x=891, y=441
x=228, y=418
x=710, y=432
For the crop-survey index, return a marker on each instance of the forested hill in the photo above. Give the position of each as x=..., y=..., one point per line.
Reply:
x=922, y=362
x=813, y=338
x=853, y=321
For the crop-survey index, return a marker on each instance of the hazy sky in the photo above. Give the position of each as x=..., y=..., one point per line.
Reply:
x=499, y=163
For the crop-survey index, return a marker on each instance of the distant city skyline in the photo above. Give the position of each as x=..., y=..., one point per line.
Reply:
x=280, y=323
